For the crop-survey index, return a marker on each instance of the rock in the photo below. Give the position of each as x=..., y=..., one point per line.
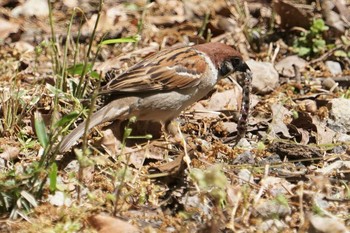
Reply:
x=273, y=158
x=245, y=158
x=243, y=143
x=342, y=148
x=272, y=208
x=265, y=77
x=340, y=114
x=342, y=137
x=229, y=127
x=277, y=186
x=326, y=225
x=71, y=3
x=245, y=176
x=329, y=84
x=308, y=105
x=203, y=144
x=336, y=127
x=32, y=8
x=24, y=47
x=272, y=225
x=59, y=199
x=228, y=99
x=334, y=67
x=285, y=66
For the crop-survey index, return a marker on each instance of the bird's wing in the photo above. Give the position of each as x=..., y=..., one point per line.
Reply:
x=163, y=71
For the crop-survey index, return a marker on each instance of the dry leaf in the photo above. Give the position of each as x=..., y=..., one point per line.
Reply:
x=110, y=143
x=307, y=130
x=10, y=153
x=279, y=113
x=172, y=167
x=166, y=19
x=6, y=28
x=285, y=66
x=107, y=224
x=336, y=166
x=325, y=135
x=291, y=16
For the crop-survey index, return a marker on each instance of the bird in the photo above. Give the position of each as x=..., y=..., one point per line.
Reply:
x=165, y=83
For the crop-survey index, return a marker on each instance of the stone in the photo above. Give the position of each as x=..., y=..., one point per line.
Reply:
x=340, y=115
x=265, y=77
x=334, y=67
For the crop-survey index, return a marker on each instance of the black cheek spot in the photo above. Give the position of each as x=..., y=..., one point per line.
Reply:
x=224, y=69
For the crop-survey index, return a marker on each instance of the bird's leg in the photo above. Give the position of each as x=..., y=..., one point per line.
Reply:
x=173, y=128
x=170, y=129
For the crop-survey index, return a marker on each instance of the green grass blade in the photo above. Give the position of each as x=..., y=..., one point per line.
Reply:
x=40, y=129
x=53, y=177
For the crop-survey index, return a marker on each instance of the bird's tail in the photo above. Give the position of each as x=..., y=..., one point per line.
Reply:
x=114, y=110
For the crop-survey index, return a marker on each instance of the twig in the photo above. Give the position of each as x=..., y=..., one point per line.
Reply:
x=325, y=55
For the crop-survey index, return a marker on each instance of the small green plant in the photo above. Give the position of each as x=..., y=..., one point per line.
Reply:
x=311, y=42
x=346, y=94
x=212, y=182
x=282, y=200
x=123, y=175
x=317, y=210
x=343, y=50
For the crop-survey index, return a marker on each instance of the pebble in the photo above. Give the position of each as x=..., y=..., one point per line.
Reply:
x=334, y=67
x=265, y=77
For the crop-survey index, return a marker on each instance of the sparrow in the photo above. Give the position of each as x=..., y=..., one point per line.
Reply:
x=162, y=85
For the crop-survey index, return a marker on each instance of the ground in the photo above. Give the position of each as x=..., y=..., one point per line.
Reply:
x=290, y=173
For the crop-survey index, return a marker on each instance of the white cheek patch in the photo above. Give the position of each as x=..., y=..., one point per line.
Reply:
x=212, y=72
x=229, y=66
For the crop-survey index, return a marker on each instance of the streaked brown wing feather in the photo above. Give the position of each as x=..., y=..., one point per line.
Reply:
x=166, y=70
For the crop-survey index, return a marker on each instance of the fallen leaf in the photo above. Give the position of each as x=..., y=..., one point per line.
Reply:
x=10, y=153
x=6, y=28
x=325, y=135
x=108, y=224
x=166, y=19
x=110, y=143
x=336, y=166
x=285, y=66
x=279, y=113
x=290, y=15
x=172, y=167
x=305, y=126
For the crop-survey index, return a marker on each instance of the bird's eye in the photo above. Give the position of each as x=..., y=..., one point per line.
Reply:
x=226, y=68
x=236, y=62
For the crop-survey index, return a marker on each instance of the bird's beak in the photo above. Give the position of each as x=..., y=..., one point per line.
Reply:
x=244, y=67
